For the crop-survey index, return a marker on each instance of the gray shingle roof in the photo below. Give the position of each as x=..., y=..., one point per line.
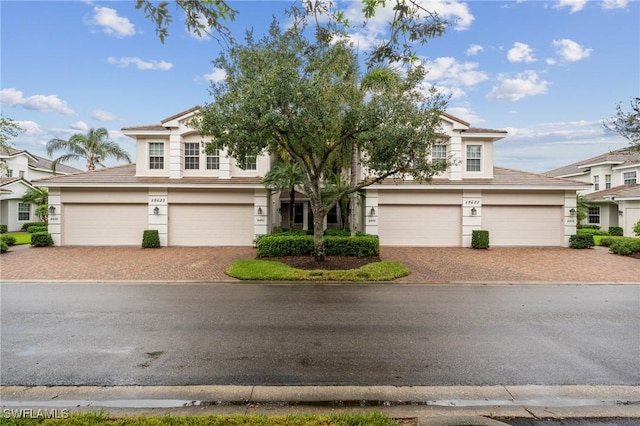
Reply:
x=42, y=163
x=622, y=191
x=622, y=156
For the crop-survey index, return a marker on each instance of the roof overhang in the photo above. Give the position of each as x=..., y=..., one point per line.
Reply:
x=599, y=163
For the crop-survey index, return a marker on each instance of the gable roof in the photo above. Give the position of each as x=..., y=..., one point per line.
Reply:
x=631, y=191
x=620, y=157
x=37, y=162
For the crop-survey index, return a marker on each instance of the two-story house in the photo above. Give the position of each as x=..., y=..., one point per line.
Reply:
x=614, y=187
x=198, y=199
x=19, y=168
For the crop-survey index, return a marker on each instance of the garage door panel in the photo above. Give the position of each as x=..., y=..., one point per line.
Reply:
x=211, y=225
x=104, y=224
x=420, y=226
x=523, y=225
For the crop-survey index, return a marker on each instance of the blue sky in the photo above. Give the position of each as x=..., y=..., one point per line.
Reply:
x=548, y=72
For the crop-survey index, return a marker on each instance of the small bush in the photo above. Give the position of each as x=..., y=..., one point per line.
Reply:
x=604, y=241
x=616, y=231
x=3, y=229
x=480, y=239
x=587, y=226
x=10, y=240
x=25, y=227
x=41, y=239
x=591, y=231
x=579, y=241
x=363, y=246
x=636, y=228
x=37, y=228
x=150, y=238
x=3, y=246
x=625, y=246
x=284, y=244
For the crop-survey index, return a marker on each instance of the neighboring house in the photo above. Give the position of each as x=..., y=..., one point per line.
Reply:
x=614, y=187
x=196, y=199
x=19, y=168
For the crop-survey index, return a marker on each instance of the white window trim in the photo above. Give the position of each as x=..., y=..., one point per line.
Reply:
x=23, y=211
x=467, y=158
x=635, y=177
x=185, y=156
x=164, y=163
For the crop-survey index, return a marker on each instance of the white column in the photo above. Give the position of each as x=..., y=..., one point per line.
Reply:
x=158, y=213
x=261, y=212
x=55, y=219
x=175, y=155
x=225, y=165
x=371, y=217
x=455, y=152
x=471, y=215
x=570, y=218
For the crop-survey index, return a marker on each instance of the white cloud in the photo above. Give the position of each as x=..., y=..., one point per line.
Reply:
x=474, y=49
x=111, y=23
x=13, y=97
x=102, y=115
x=448, y=71
x=570, y=50
x=614, y=4
x=216, y=76
x=521, y=86
x=573, y=5
x=465, y=113
x=31, y=128
x=520, y=52
x=140, y=64
x=80, y=126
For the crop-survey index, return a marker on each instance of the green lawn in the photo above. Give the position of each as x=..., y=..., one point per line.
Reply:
x=270, y=270
x=21, y=237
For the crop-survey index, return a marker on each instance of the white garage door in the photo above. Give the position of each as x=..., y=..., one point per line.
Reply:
x=631, y=217
x=210, y=225
x=104, y=224
x=420, y=226
x=523, y=225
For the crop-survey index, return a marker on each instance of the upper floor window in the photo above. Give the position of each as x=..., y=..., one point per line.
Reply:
x=250, y=162
x=474, y=156
x=596, y=183
x=607, y=181
x=191, y=156
x=213, y=160
x=594, y=215
x=629, y=178
x=24, y=211
x=156, y=156
x=439, y=153
x=9, y=173
x=21, y=173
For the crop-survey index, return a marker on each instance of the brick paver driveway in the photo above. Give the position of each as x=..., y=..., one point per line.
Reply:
x=427, y=265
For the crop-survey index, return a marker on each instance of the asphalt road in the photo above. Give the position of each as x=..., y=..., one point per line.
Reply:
x=250, y=334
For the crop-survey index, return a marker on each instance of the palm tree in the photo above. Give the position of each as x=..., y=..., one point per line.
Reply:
x=285, y=175
x=39, y=197
x=92, y=147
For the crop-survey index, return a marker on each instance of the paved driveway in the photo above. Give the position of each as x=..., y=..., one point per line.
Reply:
x=427, y=265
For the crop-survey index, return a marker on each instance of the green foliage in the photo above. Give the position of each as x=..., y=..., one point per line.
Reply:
x=582, y=209
x=37, y=228
x=9, y=129
x=3, y=246
x=26, y=226
x=10, y=240
x=581, y=241
x=337, y=232
x=39, y=197
x=591, y=231
x=627, y=124
x=41, y=239
x=616, y=231
x=150, y=238
x=480, y=239
x=625, y=246
x=636, y=228
x=360, y=246
x=303, y=245
x=3, y=229
x=587, y=226
x=604, y=240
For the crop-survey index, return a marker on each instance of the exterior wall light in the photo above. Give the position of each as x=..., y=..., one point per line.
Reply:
x=372, y=212
x=572, y=212
x=474, y=211
x=260, y=211
x=52, y=210
x=619, y=212
x=156, y=210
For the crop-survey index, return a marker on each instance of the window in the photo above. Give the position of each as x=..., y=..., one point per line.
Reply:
x=9, y=173
x=24, y=211
x=156, y=156
x=439, y=152
x=596, y=183
x=213, y=160
x=473, y=158
x=332, y=215
x=250, y=163
x=21, y=173
x=191, y=156
x=298, y=213
x=629, y=178
x=607, y=181
x=594, y=215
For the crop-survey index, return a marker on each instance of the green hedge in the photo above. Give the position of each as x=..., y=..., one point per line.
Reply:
x=25, y=227
x=588, y=226
x=480, y=239
x=591, y=231
x=616, y=231
x=41, y=239
x=302, y=245
x=37, y=228
x=10, y=240
x=625, y=246
x=579, y=241
x=3, y=229
x=150, y=238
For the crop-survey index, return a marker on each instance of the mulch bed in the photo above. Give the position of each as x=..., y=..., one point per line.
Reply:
x=330, y=262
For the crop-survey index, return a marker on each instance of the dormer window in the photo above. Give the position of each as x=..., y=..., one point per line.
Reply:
x=439, y=152
x=629, y=178
x=191, y=156
x=213, y=160
x=250, y=163
x=474, y=157
x=156, y=156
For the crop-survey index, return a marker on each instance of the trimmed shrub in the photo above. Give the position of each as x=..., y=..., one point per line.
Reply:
x=581, y=241
x=362, y=246
x=591, y=231
x=302, y=245
x=37, y=228
x=337, y=232
x=9, y=239
x=587, y=226
x=25, y=227
x=150, y=238
x=625, y=246
x=480, y=239
x=3, y=246
x=616, y=231
x=636, y=228
x=3, y=229
x=41, y=239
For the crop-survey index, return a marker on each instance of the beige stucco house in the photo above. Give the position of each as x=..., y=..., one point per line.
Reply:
x=613, y=192
x=19, y=168
x=195, y=199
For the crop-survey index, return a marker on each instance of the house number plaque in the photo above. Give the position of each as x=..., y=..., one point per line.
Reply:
x=158, y=200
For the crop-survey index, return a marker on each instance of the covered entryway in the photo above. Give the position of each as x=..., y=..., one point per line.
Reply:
x=104, y=224
x=211, y=225
x=420, y=225
x=524, y=225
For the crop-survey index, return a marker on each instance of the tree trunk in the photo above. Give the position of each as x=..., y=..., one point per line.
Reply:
x=353, y=197
x=318, y=229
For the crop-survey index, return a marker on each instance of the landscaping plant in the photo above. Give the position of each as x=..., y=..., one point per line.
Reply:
x=579, y=241
x=150, y=238
x=480, y=239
